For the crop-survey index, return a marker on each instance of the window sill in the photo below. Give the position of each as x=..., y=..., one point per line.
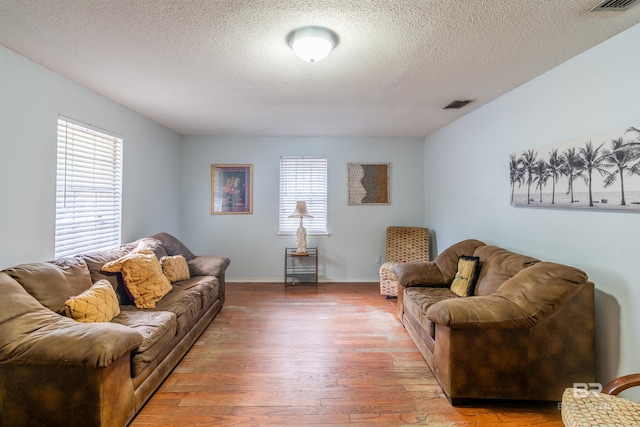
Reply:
x=320, y=235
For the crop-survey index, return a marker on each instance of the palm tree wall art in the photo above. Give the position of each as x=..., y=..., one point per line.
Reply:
x=588, y=169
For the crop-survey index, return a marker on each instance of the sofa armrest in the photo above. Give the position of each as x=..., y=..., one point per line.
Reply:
x=485, y=312
x=419, y=274
x=520, y=302
x=208, y=265
x=65, y=342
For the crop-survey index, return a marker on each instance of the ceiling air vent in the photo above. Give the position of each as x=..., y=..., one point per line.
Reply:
x=457, y=104
x=618, y=5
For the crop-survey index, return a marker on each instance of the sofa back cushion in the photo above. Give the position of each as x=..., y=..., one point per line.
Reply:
x=15, y=302
x=543, y=287
x=147, y=244
x=173, y=246
x=20, y=314
x=498, y=265
x=447, y=261
x=96, y=260
x=53, y=282
x=143, y=277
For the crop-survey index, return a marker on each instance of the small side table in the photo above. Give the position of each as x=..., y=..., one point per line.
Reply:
x=300, y=268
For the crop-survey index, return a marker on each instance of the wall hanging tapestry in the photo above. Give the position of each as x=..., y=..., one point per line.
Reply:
x=599, y=173
x=231, y=189
x=368, y=183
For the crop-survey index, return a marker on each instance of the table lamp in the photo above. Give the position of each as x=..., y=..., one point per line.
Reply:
x=301, y=235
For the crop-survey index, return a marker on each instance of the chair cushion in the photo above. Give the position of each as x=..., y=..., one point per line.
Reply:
x=591, y=409
x=407, y=244
x=388, y=280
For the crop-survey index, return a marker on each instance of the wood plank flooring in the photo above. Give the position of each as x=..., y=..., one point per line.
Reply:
x=327, y=356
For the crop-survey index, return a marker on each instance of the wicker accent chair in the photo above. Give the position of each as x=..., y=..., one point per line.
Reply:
x=582, y=408
x=404, y=244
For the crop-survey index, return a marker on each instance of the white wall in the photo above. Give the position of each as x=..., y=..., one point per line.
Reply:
x=31, y=97
x=467, y=192
x=251, y=241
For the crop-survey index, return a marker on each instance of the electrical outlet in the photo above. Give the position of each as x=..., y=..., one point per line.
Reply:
x=378, y=259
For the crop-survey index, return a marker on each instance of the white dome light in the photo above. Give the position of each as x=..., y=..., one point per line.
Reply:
x=312, y=43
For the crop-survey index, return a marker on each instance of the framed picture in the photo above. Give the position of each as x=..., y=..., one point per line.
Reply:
x=601, y=172
x=231, y=189
x=368, y=183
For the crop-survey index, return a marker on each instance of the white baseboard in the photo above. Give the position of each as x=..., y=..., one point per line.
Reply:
x=280, y=280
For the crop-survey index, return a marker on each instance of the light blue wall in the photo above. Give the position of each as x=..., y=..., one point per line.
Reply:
x=357, y=233
x=31, y=98
x=467, y=196
x=455, y=183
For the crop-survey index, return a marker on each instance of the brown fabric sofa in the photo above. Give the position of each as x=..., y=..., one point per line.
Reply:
x=526, y=333
x=55, y=371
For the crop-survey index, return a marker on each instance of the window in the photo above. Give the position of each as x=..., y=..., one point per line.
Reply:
x=303, y=178
x=88, y=189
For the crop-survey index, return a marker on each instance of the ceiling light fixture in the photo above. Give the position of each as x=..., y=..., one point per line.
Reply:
x=312, y=43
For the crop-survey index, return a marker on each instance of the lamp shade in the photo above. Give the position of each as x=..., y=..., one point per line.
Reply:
x=312, y=43
x=301, y=211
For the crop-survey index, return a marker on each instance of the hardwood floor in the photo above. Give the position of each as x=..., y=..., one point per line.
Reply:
x=326, y=356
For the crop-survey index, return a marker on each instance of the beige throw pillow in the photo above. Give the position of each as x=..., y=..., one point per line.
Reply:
x=143, y=277
x=464, y=284
x=99, y=303
x=175, y=268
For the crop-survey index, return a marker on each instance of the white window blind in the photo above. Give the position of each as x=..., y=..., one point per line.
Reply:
x=303, y=179
x=88, y=190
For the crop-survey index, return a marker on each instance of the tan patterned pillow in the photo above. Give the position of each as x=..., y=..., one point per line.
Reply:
x=175, y=268
x=464, y=284
x=142, y=276
x=99, y=303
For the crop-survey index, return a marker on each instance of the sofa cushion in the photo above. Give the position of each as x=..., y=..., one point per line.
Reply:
x=142, y=276
x=418, y=299
x=157, y=328
x=175, y=268
x=147, y=244
x=543, y=287
x=208, y=287
x=464, y=284
x=53, y=282
x=32, y=334
x=447, y=261
x=99, y=303
x=498, y=266
x=184, y=303
x=174, y=246
x=17, y=304
x=96, y=260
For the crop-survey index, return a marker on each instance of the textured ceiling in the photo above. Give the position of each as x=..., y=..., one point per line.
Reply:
x=222, y=67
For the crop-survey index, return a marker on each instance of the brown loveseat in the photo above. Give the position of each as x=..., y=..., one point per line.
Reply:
x=55, y=371
x=527, y=332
